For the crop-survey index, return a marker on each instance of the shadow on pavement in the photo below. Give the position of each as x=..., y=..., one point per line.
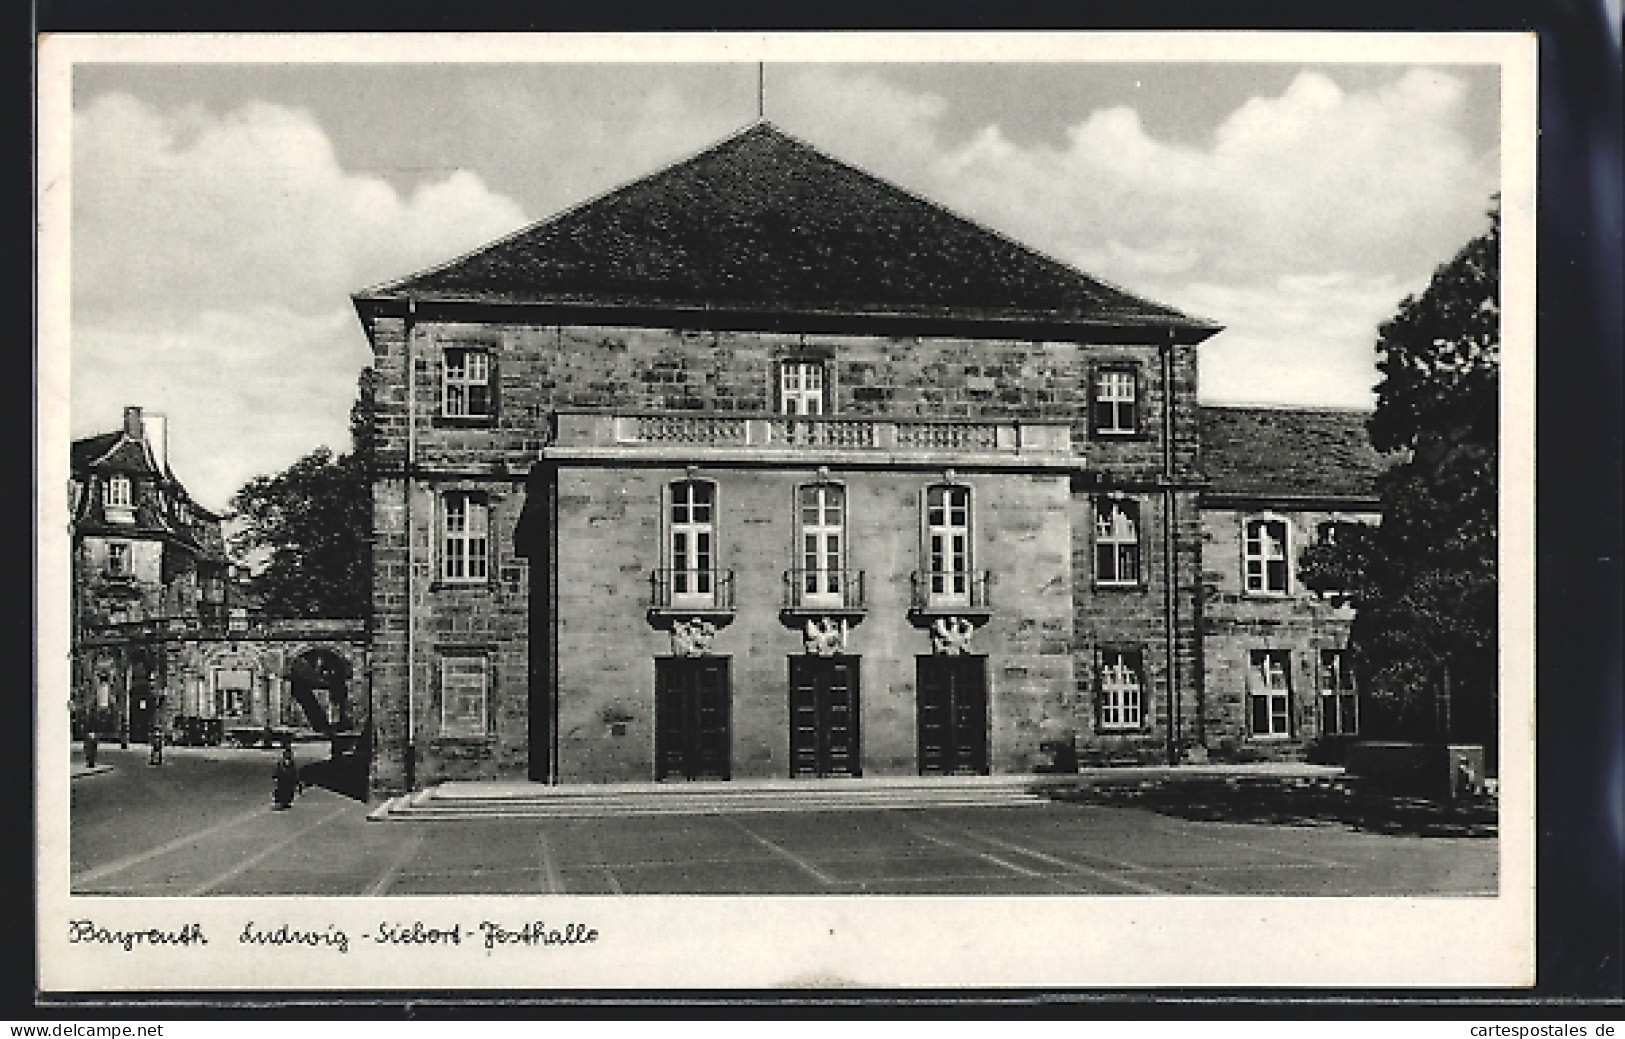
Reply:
x=345, y=774
x=1297, y=802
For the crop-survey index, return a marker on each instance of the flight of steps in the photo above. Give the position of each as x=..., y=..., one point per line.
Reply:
x=476, y=800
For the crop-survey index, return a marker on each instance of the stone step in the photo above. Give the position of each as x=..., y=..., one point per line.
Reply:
x=489, y=799
x=467, y=801
x=586, y=811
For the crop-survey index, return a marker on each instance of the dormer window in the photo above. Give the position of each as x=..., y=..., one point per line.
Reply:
x=118, y=492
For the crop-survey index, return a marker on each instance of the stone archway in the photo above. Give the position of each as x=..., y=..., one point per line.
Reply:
x=319, y=682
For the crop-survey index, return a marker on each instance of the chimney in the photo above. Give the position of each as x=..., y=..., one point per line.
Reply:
x=156, y=431
x=132, y=422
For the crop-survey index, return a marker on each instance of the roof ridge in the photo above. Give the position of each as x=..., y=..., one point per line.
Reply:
x=123, y=435
x=561, y=214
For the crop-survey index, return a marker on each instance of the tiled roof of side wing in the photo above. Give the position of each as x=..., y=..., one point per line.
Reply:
x=1289, y=452
x=763, y=221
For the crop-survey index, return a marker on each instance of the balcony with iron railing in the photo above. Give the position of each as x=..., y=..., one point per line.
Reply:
x=941, y=593
x=703, y=435
x=824, y=592
x=691, y=593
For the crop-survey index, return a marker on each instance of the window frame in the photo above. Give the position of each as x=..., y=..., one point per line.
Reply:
x=823, y=361
x=124, y=550
x=829, y=592
x=467, y=538
x=1257, y=690
x=1337, y=691
x=482, y=657
x=447, y=382
x=1106, y=702
x=1131, y=507
x=125, y=498
x=1247, y=556
x=1098, y=374
x=670, y=527
x=948, y=599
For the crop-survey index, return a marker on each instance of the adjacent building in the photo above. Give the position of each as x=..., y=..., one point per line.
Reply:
x=761, y=466
x=160, y=639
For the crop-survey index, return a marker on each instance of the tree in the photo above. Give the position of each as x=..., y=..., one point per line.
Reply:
x=1423, y=582
x=309, y=527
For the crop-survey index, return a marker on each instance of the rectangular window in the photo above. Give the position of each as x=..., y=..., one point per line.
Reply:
x=1269, y=693
x=1265, y=554
x=1339, y=702
x=691, y=542
x=231, y=689
x=465, y=554
x=1122, y=687
x=822, y=516
x=118, y=492
x=467, y=384
x=1114, y=401
x=118, y=559
x=947, y=530
x=464, y=694
x=801, y=387
x=1117, y=542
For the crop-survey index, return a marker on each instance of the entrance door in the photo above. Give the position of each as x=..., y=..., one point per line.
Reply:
x=952, y=706
x=824, y=716
x=691, y=718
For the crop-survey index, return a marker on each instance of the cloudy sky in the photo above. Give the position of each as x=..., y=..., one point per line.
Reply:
x=222, y=215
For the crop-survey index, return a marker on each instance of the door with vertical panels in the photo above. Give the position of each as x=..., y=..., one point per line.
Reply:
x=824, y=716
x=951, y=701
x=692, y=709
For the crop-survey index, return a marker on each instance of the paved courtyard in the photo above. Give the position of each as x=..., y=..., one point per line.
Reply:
x=202, y=824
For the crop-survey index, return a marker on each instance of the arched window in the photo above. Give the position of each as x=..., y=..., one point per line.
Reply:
x=691, y=543
x=948, y=545
x=821, y=565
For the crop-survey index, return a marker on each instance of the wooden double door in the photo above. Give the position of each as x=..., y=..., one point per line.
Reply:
x=824, y=716
x=693, y=707
x=951, y=703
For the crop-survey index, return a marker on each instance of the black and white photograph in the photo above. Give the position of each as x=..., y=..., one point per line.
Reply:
x=785, y=511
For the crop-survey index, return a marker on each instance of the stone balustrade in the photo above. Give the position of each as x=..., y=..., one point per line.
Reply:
x=609, y=434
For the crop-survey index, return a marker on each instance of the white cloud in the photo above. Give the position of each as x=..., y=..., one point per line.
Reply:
x=213, y=259
x=1294, y=224
x=246, y=392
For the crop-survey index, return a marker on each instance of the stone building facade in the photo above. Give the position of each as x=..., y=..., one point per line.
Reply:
x=1277, y=676
x=762, y=467
x=160, y=641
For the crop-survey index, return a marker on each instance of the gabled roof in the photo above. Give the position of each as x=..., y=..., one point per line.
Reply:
x=1289, y=453
x=764, y=223
x=83, y=454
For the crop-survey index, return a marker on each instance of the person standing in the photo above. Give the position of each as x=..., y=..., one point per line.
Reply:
x=90, y=746
x=156, y=757
x=287, y=780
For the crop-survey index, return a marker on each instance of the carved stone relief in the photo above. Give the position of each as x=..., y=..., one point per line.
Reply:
x=692, y=638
